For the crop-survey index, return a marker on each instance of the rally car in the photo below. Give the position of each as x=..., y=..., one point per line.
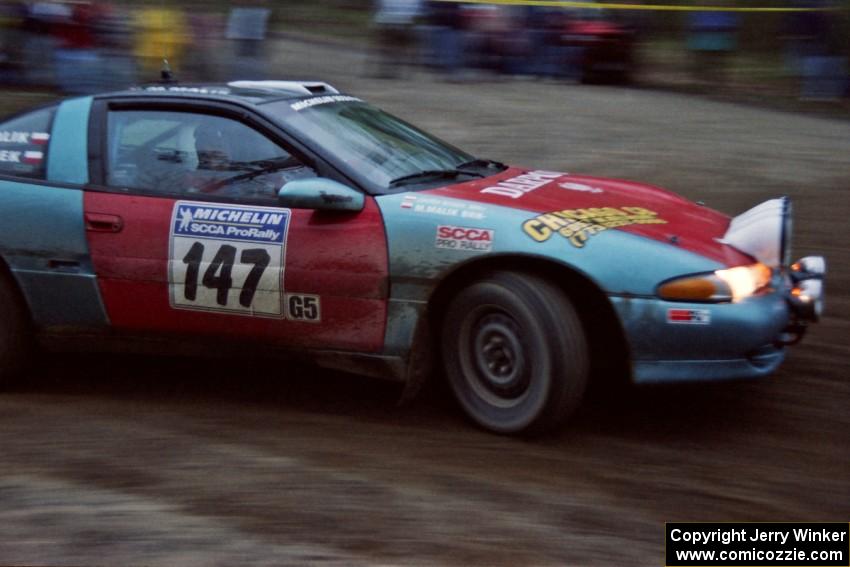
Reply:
x=287, y=217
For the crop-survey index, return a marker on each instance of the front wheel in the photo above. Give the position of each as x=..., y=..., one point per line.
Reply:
x=515, y=353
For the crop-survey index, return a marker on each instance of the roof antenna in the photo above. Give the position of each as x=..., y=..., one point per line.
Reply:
x=165, y=74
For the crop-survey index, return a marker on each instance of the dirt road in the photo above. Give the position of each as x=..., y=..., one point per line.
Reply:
x=179, y=462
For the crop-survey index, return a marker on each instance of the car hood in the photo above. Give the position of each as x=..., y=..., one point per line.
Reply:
x=553, y=199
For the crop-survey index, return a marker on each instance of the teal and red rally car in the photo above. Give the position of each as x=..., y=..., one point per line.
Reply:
x=282, y=216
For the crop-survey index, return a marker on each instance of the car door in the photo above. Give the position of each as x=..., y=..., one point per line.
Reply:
x=186, y=235
x=43, y=167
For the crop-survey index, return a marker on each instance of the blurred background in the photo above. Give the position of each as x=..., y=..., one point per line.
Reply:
x=783, y=50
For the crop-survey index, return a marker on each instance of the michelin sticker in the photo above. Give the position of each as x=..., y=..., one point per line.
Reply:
x=227, y=258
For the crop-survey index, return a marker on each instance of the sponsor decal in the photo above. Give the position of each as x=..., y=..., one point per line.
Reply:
x=227, y=258
x=464, y=238
x=327, y=99
x=24, y=138
x=689, y=316
x=7, y=137
x=192, y=90
x=579, y=187
x=10, y=156
x=33, y=157
x=578, y=225
x=516, y=187
x=301, y=307
x=444, y=207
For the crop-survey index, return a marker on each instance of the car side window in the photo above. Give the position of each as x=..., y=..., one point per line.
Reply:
x=23, y=144
x=182, y=153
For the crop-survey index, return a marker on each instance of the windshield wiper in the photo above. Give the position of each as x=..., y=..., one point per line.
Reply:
x=482, y=163
x=258, y=168
x=435, y=173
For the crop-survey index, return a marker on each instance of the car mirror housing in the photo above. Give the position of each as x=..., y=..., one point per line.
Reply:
x=321, y=194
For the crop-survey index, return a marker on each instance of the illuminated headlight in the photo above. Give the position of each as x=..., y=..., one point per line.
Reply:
x=745, y=281
x=732, y=284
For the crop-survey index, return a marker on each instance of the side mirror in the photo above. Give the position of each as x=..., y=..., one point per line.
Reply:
x=320, y=194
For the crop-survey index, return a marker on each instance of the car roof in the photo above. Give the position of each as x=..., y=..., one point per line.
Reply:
x=251, y=92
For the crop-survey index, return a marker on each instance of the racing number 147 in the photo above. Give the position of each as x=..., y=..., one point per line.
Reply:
x=218, y=275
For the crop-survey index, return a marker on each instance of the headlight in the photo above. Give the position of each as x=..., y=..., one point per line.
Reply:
x=732, y=284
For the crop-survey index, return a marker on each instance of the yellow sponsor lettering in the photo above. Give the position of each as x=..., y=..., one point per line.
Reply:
x=578, y=225
x=552, y=221
x=536, y=230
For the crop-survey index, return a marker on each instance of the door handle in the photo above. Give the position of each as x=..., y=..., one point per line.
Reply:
x=62, y=265
x=99, y=222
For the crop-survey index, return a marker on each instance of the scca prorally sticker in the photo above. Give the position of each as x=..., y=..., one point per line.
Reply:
x=303, y=307
x=464, y=238
x=689, y=316
x=443, y=207
x=578, y=225
x=228, y=258
x=516, y=187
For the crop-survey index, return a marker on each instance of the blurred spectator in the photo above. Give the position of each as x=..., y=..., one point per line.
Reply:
x=114, y=40
x=76, y=57
x=207, y=31
x=804, y=35
x=13, y=16
x=712, y=38
x=394, y=21
x=161, y=33
x=246, y=29
x=487, y=29
x=815, y=54
x=549, y=56
x=444, y=36
x=40, y=43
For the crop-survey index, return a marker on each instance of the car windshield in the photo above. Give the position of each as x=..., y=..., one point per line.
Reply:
x=378, y=150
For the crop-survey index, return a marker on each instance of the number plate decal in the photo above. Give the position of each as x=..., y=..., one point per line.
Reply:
x=227, y=258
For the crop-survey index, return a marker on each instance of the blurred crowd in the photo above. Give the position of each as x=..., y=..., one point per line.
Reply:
x=83, y=46
x=88, y=46
x=463, y=40
x=542, y=41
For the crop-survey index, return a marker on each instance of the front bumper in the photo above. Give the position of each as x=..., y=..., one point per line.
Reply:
x=683, y=342
x=759, y=363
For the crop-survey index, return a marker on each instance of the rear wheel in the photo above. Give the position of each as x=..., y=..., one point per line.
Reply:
x=15, y=334
x=515, y=353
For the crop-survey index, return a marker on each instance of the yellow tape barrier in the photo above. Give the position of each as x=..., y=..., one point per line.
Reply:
x=655, y=7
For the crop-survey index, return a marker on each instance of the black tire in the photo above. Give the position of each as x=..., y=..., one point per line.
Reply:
x=515, y=353
x=16, y=340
